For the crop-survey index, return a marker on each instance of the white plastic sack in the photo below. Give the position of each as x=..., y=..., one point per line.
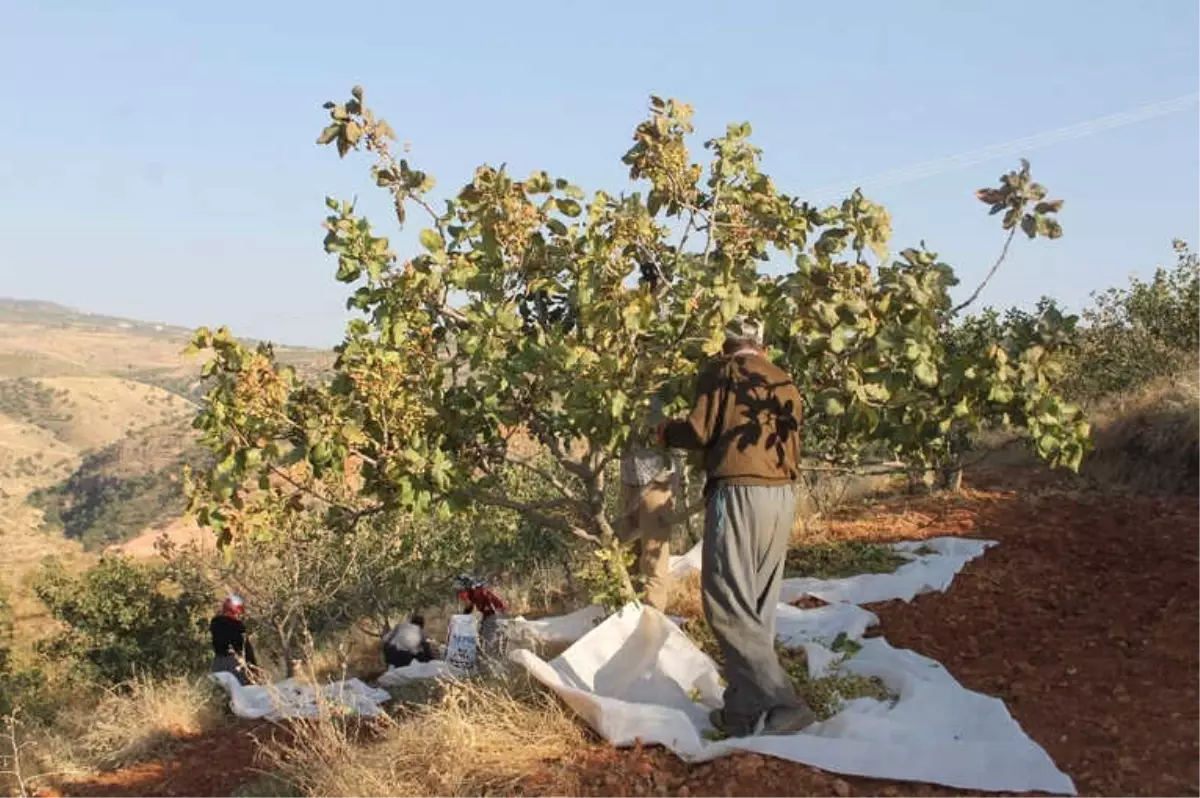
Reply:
x=462, y=641
x=683, y=564
x=638, y=677
x=417, y=671
x=291, y=699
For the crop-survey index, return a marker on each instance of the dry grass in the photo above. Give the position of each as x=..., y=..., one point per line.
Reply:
x=684, y=599
x=481, y=738
x=142, y=717
x=1149, y=440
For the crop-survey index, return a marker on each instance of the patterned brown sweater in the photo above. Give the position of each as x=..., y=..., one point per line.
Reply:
x=747, y=419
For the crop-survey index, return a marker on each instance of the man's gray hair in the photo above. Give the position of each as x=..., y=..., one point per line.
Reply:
x=744, y=330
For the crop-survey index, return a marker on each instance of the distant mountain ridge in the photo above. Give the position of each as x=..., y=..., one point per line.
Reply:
x=36, y=311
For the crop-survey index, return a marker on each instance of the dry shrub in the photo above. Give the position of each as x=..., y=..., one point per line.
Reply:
x=685, y=597
x=1149, y=440
x=823, y=493
x=139, y=718
x=482, y=737
x=356, y=653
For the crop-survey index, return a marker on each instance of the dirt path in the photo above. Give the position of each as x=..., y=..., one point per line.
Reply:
x=1083, y=620
x=215, y=764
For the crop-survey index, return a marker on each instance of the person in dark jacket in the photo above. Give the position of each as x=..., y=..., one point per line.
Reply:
x=232, y=651
x=746, y=419
x=406, y=643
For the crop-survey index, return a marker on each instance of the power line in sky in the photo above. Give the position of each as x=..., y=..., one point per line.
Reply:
x=1024, y=144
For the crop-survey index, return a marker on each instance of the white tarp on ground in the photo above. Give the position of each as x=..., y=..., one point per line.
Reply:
x=637, y=676
x=931, y=569
x=556, y=630
x=292, y=699
x=415, y=671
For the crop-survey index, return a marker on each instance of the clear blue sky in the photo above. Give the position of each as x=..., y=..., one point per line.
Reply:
x=159, y=158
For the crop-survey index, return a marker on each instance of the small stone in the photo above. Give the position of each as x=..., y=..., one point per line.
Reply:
x=841, y=788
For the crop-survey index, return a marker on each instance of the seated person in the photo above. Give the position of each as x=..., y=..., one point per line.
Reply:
x=232, y=651
x=406, y=643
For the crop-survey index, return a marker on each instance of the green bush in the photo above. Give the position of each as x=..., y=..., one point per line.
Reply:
x=122, y=618
x=19, y=686
x=1141, y=332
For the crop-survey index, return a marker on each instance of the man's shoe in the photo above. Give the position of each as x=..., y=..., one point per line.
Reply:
x=730, y=729
x=788, y=720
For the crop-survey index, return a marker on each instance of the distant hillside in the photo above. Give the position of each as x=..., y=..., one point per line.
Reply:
x=128, y=486
x=27, y=311
x=94, y=425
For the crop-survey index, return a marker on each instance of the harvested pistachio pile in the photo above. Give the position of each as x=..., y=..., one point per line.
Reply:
x=827, y=694
x=839, y=559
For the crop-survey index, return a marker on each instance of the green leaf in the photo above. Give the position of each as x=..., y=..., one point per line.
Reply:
x=618, y=403
x=329, y=133
x=568, y=207
x=926, y=374
x=838, y=339
x=1029, y=226
x=875, y=392
x=1000, y=393
x=432, y=240
x=834, y=406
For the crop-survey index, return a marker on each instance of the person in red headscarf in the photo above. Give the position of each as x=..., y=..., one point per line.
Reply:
x=478, y=596
x=232, y=651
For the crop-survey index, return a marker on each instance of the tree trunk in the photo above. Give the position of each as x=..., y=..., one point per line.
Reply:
x=918, y=481
x=685, y=485
x=285, y=648
x=569, y=570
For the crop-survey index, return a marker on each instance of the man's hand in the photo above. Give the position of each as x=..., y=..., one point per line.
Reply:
x=660, y=432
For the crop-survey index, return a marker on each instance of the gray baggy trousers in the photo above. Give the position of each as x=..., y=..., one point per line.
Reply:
x=746, y=532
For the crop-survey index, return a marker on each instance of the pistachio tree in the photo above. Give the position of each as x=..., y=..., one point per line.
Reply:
x=536, y=324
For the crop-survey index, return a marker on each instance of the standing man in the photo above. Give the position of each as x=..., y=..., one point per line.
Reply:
x=746, y=419
x=647, y=504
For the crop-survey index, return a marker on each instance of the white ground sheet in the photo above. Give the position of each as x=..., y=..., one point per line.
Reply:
x=637, y=676
x=557, y=630
x=292, y=699
x=435, y=669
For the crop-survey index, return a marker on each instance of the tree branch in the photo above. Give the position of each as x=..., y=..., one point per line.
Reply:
x=991, y=273
x=355, y=513
x=552, y=480
x=534, y=513
x=560, y=453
